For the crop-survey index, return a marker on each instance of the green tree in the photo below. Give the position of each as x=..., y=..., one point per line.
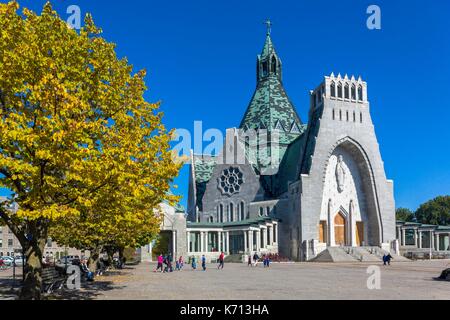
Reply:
x=435, y=211
x=404, y=214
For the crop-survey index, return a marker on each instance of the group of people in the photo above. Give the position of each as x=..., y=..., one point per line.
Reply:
x=165, y=263
x=253, y=260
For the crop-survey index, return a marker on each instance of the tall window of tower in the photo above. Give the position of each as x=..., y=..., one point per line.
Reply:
x=334, y=115
x=231, y=212
x=340, y=90
x=221, y=212
x=354, y=116
x=360, y=93
x=347, y=116
x=353, y=92
x=340, y=115
x=261, y=211
x=267, y=211
x=242, y=210
x=360, y=117
x=274, y=65
x=265, y=70
x=346, y=91
x=333, y=89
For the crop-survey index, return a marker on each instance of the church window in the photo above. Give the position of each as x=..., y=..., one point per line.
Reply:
x=346, y=91
x=347, y=116
x=334, y=115
x=231, y=212
x=333, y=89
x=267, y=211
x=340, y=90
x=265, y=68
x=360, y=93
x=230, y=181
x=354, y=116
x=261, y=211
x=274, y=65
x=353, y=92
x=340, y=115
x=295, y=128
x=360, y=117
x=279, y=126
x=242, y=210
x=211, y=219
x=221, y=212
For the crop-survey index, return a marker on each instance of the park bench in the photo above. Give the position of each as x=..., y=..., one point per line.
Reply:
x=52, y=280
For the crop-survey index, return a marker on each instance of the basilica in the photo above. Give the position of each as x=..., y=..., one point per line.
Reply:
x=304, y=190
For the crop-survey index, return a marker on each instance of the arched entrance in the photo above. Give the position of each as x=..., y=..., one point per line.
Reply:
x=349, y=198
x=340, y=229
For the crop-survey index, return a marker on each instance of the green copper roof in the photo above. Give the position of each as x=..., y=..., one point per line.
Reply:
x=204, y=166
x=270, y=105
x=268, y=48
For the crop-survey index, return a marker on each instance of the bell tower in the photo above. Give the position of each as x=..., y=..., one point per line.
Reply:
x=268, y=63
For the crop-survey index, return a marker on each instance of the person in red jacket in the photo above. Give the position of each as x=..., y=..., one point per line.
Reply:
x=221, y=260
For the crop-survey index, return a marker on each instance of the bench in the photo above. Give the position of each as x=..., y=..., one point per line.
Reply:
x=52, y=280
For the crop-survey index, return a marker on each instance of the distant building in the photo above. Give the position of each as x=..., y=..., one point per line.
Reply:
x=10, y=245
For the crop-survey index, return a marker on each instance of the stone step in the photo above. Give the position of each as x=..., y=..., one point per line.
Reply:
x=333, y=254
x=353, y=254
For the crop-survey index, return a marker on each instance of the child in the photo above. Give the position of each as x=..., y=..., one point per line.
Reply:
x=249, y=260
x=204, y=262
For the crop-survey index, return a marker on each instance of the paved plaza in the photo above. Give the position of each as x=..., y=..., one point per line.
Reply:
x=406, y=280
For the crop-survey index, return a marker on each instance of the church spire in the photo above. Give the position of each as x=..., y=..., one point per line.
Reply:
x=270, y=107
x=268, y=62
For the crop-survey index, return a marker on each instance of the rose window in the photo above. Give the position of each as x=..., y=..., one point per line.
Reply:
x=231, y=180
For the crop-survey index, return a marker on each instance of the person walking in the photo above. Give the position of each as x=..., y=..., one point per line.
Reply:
x=249, y=260
x=169, y=264
x=160, y=263
x=180, y=263
x=194, y=263
x=204, y=262
x=266, y=261
x=221, y=260
x=166, y=264
x=255, y=259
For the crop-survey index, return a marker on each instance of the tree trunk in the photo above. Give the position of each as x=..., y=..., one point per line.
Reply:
x=110, y=251
x=93, y=258
x=121, y=257
x=31, y=289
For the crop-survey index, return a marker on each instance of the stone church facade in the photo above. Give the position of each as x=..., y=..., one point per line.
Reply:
x=308, y=188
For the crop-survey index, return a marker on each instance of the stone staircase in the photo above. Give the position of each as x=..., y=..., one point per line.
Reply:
x=354, y=254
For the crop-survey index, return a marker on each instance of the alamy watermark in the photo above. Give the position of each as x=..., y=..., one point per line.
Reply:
x=374, y=19
x=374, y=279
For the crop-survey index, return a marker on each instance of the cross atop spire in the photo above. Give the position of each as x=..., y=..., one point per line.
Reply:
x=268, y=23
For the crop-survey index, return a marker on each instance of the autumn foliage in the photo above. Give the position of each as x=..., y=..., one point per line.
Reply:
x=86, y=157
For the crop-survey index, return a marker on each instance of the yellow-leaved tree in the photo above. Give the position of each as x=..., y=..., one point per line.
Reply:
x=78, y=142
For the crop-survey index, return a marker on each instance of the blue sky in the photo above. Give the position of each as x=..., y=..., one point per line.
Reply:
x=200, y=57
